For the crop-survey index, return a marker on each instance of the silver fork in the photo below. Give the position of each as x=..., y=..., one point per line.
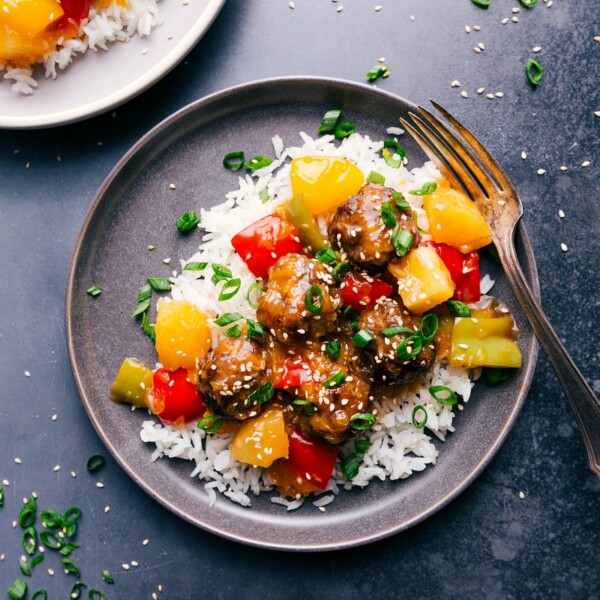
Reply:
x=465, y=162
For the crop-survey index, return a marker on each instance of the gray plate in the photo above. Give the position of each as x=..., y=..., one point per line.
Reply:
x=135, y=207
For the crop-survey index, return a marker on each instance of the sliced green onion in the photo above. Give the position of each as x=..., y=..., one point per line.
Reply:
x=94, y=594
x=409, y=347
x=492, y=252
x=95, y=462
x=72, y=514
x=393, y=153
x=18, y=590
x=401, y=203
x=27, y=513
x=1, y=496
x=262, y=394
x=351, y=315
x=426, y=189
x=361, y=447
x=314, y=293
x=374, y=177
x=329, y=121
x=482, y=3
x=255, y=329
x=107, y=577
x=335, y=381
x=220, y=273
x=68, y=548
x=362, y=421
x=263, y=195
x=444, y=395
x=211, y=423
x=143, y=300
x=428, y=327
x=388, y=216
x=50, y=540
x=70, y=567
x=148, y=327
x=230, y=289
x=187, y=221
x=332, y=349
x=160, y=284
x=419, y=422
x=51, y=518
x=94, y=290
x=396, y=330
x=363, y=338
x=528, y=3
x=350, y=465
x=376, y=72
x=30, y=540
x=227, y=319
x=534, y=71
x=458, y=308
x=234, y=331
x=308, y=408
x=340, y=270
x=24, y=566
x=343, y=130
x=234, y=160
x=76, y=590
x=402, y=240
x=258, y=162
x=326, y=255
x=41, y=593
x=36, y=560
x=253, y=294
x=195, y=266
x=495, y=375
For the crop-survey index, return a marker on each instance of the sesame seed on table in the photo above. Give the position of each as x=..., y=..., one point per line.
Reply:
x=529, y=524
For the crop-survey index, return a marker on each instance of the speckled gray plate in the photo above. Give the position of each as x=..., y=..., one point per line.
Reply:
x=135, y=208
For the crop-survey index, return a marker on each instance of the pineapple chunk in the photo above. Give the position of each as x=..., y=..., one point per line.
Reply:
x=29, y=17
x=182, y=334
x=423, y=279
x=455, y=220
x=262, y=440
x=484, y=342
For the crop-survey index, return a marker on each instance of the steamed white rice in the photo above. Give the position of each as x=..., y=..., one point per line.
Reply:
x=102, y=28
x=397, y=448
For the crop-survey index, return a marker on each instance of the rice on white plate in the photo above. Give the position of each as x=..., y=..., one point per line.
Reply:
x=101, y=28
x=397, y=448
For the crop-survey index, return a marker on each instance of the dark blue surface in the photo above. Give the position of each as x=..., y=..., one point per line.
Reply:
x=490, y=542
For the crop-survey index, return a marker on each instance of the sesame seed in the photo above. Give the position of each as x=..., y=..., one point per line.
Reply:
x=521, y=495
x=464, y=94
x=541, y=171
x=477, y=49
x=340, y=9
x=134, y=563
x=146, y=50
x=412, y=18
x=523, y=155
x=561, y=213
x=2, y=556
x=107, y=509
x=151, y=247
x=585, y=163
x=99, y=485
x=499, y=95
x=481, y=90
x=378, y=8
x=172, y=186
x=504, y=21
x=292, y=5
x=516, y=10
x=73, y=474
x=166, y=261
x=160, y=588
x=125, y=566
x=476, y=27
x=490, y=96
x=481, y=46
x=54, y=417
x=50, y=572
x=597, y=113
x=145, y=542
x=27, y=374
x=536, y=49
x=515, y=19
x=564, y=168
x=18, y=460
x=5, y=482
x=455, y=83
x=467, y=28
x=564, y=247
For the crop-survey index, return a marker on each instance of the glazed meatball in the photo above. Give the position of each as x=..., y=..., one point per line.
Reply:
x=296, y=285
x=388, y=313
x=358, y=230
x=338, y=389
x=230, y=373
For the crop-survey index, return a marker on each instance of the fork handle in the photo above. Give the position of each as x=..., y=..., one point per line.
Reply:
x=582, y=399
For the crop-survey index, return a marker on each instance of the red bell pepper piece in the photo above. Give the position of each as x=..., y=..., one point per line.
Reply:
x=311, y=460
x=263, y=243
x=464, y=271
x=295, y=372
x=176, y=399
x=360, y=292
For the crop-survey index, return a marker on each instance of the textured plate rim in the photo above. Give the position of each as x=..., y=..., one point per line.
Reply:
x=132, y=89
x=477, y=469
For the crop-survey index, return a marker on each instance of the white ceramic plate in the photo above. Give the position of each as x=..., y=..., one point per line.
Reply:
x=98, y=81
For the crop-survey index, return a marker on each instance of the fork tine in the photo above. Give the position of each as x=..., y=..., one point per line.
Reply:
x=433, y=156
x=489, y=160
x=445, y=153
x=478, y=173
